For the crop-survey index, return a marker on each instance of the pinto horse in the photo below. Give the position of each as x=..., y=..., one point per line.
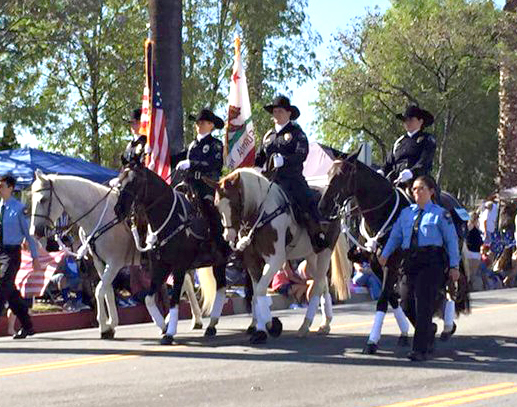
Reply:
x=253, y=206
x=91, y=207
x=178, y=239
x=379, y=203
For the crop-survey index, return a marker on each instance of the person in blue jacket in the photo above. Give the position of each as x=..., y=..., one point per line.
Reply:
x=426, y=233
x=14, y=228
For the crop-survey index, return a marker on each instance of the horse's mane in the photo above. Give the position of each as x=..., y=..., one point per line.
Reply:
x=254, y=187
x=96, y=188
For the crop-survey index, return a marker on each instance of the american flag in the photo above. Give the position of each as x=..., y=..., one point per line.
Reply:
x=32, y=283
x=153, y=121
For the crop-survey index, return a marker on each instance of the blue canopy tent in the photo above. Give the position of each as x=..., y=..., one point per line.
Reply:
x=22, y=163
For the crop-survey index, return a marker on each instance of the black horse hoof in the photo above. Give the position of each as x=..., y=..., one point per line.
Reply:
x=445, y=336
x=258, y=337
x=403, y=341
x=197, y=325
x=276, y=328
x=109, y=334
x=251, y=330
x=370, y=349
x=167, y=340
x=210, y=331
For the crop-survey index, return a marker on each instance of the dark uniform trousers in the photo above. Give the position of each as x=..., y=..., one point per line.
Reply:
x=424, y=276
x=8, y=291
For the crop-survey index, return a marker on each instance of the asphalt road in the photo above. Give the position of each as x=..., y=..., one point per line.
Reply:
x=477, y=367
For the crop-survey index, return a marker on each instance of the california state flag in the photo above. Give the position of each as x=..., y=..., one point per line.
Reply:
x=240, y=137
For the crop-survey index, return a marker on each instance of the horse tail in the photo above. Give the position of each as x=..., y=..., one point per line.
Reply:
x=341, y=269
x=207, y=285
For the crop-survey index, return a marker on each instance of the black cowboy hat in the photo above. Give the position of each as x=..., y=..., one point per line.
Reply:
x=208, y=115
x=285, y=103
x=415, y=111
x=135, y=116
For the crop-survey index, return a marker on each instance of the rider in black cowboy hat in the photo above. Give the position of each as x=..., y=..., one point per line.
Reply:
x=287, y=146
x=137, y=146
x=412, y=153
x=204, y=158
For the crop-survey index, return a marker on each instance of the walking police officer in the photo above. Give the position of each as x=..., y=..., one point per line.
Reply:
x=204, y=158
x=412, y=153
x=287, y=146
x=427, y=235
x=13, y=229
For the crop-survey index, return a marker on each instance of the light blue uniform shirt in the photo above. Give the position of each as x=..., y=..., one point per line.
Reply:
x=15, y=226
x=436, y=229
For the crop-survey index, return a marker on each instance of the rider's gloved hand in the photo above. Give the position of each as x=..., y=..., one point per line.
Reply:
x=405, y=176
x=183, y=165
x=278, y=160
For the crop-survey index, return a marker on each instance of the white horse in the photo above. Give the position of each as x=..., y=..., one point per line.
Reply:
x=90, y=206
x=258, y=220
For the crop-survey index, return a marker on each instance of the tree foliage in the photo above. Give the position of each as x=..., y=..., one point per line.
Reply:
x=440, y=54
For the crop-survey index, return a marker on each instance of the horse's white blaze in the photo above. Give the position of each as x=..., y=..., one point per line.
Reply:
x=229, y=234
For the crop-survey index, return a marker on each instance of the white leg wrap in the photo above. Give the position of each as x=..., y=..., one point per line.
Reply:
x=172, y=327
x=312, y=307
x=448, y=315
x=263, y=313
x=217, y=309
x=375, y=333
x=155, y=313
x=402, y=320
x=326, y=306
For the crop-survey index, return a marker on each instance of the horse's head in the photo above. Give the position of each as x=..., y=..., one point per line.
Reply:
x=46, y=205
x=228, y=201
x=341, y=185
x=132, y=186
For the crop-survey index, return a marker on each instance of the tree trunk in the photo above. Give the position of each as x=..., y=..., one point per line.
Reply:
x=166, y=24
x=507, y=130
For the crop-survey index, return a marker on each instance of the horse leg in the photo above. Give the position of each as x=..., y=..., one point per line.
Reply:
x=449, y=326
x=188, y=288
x=172, y=326
x=313, y=268
x=401, y=319
x=326, y=310
x=159, y=274
x=249, y=295
x=220, y=297
x=262, y=303
x=105, y=297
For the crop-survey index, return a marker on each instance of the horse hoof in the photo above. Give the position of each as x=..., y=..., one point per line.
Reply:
x=403, y=341
x=197, y=325
x=167, y=340
x=302, y=333
x=210, y=331
x=276, y=327
x=445, y=336
x=323, y=330
x=370, y=349
x=109, y=334
x=251, y=330
x=258, y=337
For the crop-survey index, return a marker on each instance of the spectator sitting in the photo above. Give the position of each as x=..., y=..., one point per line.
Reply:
x=67, y=280
x=490, y=279
x=292, y=283
x=363, y=273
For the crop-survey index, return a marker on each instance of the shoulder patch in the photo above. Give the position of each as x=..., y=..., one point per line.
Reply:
x=420, y=139
x=288, y=137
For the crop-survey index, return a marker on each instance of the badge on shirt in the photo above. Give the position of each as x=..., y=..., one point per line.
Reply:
x=288, y=137
x=206, y=147
x=420, y=139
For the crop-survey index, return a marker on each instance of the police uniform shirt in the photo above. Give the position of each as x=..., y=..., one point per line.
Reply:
x=15, y=226
x=206, y=157
x=415, y=152
x=291, y=143
x=436, y=229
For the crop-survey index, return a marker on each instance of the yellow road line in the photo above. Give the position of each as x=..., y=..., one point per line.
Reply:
x=117, y=357
x=477, y=397
x=474, y=392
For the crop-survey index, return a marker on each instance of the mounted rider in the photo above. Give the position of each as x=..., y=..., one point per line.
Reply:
x=287, y=146
x=413, y=153
x=137, y=147
x=204, y=158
